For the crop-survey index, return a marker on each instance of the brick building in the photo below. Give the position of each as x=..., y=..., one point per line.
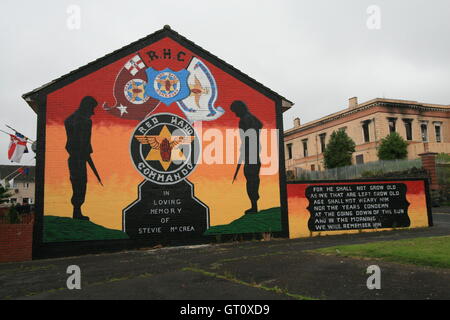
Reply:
x=425, y=126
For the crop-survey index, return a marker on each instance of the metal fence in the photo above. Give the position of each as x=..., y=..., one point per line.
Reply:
x=358, y=170
x=443, y=175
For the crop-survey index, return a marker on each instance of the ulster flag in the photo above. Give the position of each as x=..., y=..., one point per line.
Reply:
x=17, y=147
x=132, y=102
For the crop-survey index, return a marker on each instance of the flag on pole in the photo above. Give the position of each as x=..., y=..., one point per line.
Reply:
x=17, y=147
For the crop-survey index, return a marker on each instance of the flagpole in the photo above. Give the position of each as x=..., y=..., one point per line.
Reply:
x=11, y=186
x=12, y=173
x=20, y=167
x=16, y=176
x=5, y=132
x=19, y=132
x=10, y=134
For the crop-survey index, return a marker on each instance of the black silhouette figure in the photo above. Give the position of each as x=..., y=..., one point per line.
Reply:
x=78, y=129
x=250, y=151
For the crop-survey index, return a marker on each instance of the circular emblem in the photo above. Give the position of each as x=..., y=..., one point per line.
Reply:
x=164, y=148
x=135, y=91
x=167, y=85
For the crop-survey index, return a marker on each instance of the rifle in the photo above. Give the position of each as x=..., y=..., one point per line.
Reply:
x=237, y=171
x=92, y=165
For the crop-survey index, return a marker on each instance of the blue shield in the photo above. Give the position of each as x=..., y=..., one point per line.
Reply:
x=167, y=85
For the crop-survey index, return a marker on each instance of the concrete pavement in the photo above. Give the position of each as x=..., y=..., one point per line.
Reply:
x=254, y=270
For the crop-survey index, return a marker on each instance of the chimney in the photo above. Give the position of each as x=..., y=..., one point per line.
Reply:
x=296, y=122
x=353, y=102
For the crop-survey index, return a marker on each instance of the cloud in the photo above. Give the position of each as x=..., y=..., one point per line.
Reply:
x=315, y=53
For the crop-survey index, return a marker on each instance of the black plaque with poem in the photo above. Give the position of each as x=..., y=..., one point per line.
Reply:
x=357, y=206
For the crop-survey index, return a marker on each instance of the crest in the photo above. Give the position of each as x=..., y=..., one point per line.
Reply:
x=200, y=105
x=167, y=86
x=164, y=148
x=131, y=102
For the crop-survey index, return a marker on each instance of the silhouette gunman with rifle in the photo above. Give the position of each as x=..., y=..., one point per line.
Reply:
x=249, y=152
x=78, y=129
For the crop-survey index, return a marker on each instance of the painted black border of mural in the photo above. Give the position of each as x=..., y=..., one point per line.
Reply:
x=426, y=186
x=38, y=229
x=56, y=249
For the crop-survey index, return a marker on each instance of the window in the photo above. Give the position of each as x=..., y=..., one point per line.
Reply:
x=391, y=122
x=25, y=201
x=366, y=133
x=26, y=185
x=408, y=128
x=322, y=141
x=313, y=167
x=424, y=131
x=437, y=130
x=289, y=150
x=305, y=147
x=360, y=159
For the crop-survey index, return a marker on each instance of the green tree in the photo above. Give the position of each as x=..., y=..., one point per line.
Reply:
x=4, y=194
x=339, y=150
x=13, y=215
x=443, y=157
x=393, y=147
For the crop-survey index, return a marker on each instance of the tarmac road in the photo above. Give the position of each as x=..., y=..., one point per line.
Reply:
x=255, y=270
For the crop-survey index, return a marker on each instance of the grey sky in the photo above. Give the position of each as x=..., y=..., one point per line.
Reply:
x=315, y=53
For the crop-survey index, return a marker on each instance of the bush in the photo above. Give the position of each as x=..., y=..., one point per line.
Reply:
x=339, y=150
x=410, y=173
x=443, y=158
x=290, y=176
x=393, y=147
x=372, y=174
x=13, y=215
x=4, y=194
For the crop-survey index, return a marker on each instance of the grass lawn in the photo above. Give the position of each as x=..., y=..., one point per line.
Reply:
x=432, y=252
x=57, y=229
x=264, y=221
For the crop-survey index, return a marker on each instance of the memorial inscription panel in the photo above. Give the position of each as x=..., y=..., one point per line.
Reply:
x=357, y=206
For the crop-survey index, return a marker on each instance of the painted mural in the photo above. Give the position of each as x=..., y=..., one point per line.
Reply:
x=328, y=208
x=161, y=144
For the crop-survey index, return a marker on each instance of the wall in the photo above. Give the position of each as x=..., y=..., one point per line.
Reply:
x=125, y=151
x=23, y=192
x=16, y=242
x=355, y=206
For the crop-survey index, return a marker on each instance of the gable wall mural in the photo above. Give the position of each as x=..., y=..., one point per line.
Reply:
x=149, y=147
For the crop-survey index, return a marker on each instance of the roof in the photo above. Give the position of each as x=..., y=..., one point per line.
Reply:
x=7, y=171
x=32, y=96
x=398, y=103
